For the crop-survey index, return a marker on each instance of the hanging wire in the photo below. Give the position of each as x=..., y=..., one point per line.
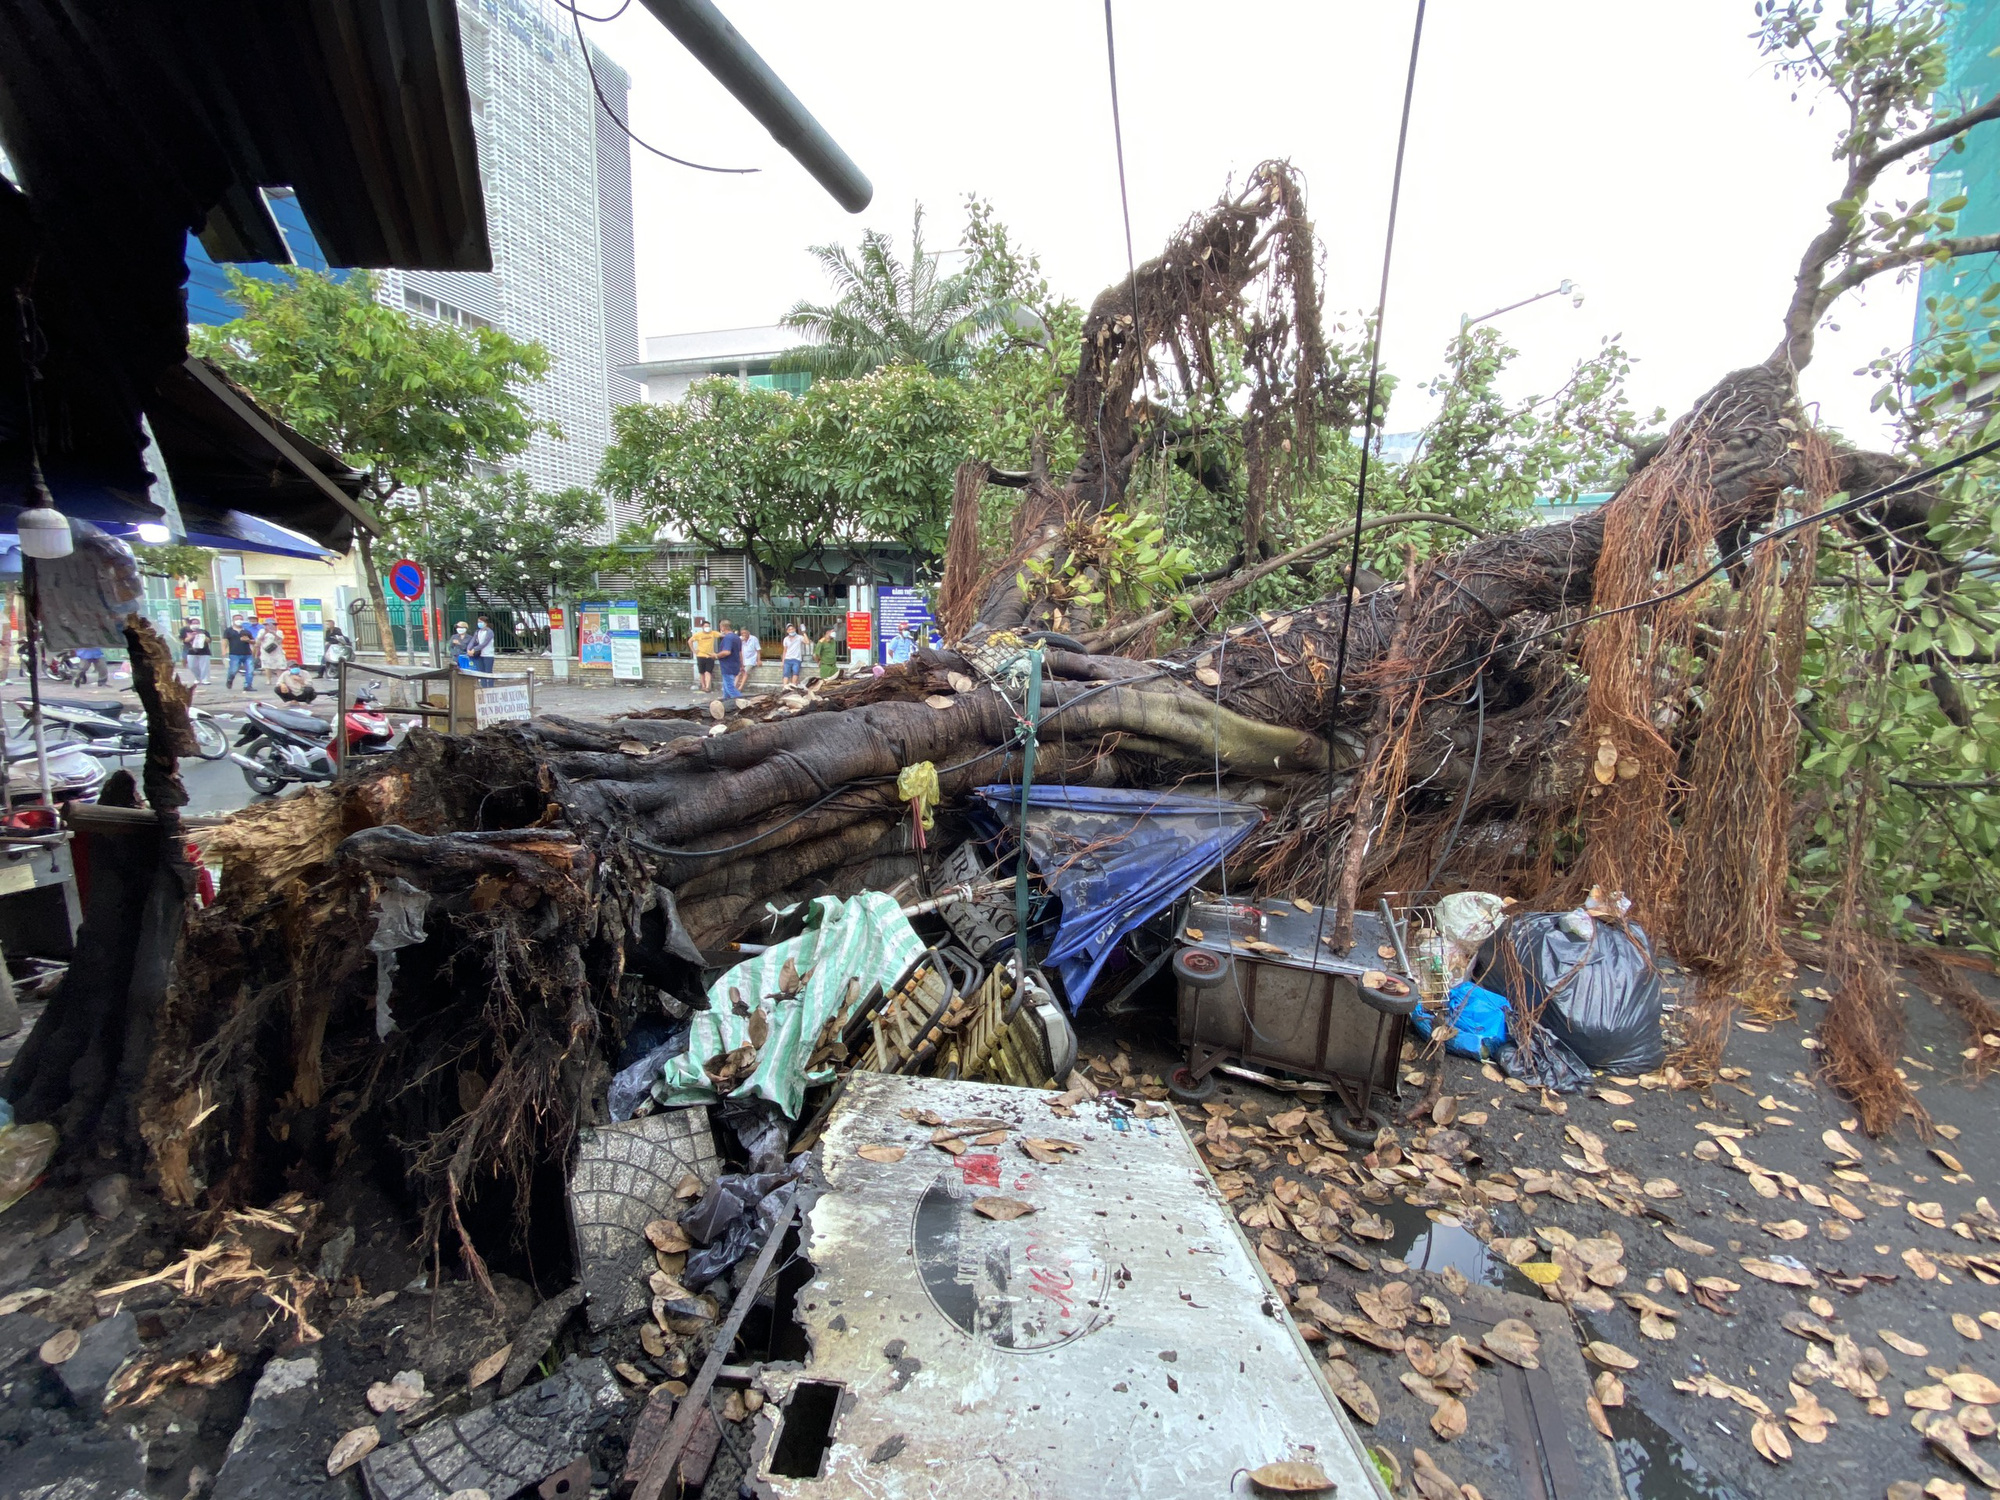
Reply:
x=1367, y=443
x=576, y=20
x=1124, y=200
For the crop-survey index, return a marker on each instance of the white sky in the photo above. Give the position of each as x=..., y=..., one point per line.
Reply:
x=1642, y=150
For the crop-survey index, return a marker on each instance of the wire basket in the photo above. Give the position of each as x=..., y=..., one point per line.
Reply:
x=1424, y=944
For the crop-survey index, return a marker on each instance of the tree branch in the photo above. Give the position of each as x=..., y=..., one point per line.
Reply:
x=1113, y=636
x=1875, y=265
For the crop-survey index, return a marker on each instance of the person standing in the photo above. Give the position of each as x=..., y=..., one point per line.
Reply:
x=753, y=653
x=271, y=652
x=195, y=647
x=701, y=644
x=92, y=656
x=729, y=660
x=828, y=652
x=480, y=646
x=236, y=642
x=901, y=648
x=461, y=637
x=795, y=653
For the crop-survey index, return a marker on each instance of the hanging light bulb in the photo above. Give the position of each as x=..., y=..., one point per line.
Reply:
x=43, y=530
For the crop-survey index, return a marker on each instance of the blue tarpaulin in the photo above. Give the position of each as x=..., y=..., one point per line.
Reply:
x=1116, y=859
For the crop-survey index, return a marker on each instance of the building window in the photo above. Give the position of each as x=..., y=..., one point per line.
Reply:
x=794, y=381
x=440, y=312
x=267, y=588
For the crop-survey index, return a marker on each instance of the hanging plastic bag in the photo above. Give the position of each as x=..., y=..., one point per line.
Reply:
x=1594, y=982
x=24, y=1154
x=1465, y=920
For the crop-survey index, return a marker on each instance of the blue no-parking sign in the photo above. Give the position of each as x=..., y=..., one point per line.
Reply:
x=407, y=579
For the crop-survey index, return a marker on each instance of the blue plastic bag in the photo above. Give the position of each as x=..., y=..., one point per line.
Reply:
x=1480, y=1016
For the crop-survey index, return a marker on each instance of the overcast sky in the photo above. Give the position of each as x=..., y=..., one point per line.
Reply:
x=1643, y=151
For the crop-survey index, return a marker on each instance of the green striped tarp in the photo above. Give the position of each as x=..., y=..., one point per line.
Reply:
x=865, y=937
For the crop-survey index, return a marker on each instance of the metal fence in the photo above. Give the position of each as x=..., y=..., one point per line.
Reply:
x=659, y=634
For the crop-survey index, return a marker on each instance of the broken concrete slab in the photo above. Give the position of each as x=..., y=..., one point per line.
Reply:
x=504, y=1448
x=279, y=1450
x=537, y=1331
x=105, y=1346
x=1029, y=1307
x=625, y=1178
x=75, y=1466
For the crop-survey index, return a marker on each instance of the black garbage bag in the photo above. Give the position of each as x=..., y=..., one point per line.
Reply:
x=732, y=1219
x=1545, y=1063
x=1595, y=984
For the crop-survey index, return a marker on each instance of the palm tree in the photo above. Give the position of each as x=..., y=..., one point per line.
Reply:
x=891, y=314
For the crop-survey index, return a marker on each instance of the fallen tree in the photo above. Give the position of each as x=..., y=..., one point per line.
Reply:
x=436, y=961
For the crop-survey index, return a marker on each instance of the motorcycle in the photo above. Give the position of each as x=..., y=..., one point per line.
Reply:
x=104, y=727
x=278, y=746
x=75, y=774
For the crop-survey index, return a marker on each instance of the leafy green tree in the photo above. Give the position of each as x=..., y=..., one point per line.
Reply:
x=174, y=560
x=889, y=312
x=525, y=547
x=789, y=479
x=411, y=402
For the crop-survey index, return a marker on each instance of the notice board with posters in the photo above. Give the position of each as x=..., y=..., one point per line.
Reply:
x=593, y=636
x=312, y=632
x=895, y=608
x=627, y=660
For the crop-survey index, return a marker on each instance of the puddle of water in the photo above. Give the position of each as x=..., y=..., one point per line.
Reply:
x=1427, y=1245
x=1653, y=1463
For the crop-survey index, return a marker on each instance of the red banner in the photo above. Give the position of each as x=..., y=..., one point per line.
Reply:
x=860, y=631
x=286, y=612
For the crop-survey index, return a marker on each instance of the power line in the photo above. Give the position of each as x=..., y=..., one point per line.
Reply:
x=1367, y=443
x=576, y=19
x=1124, y=201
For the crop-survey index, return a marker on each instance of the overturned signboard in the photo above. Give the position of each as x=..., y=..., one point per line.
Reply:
x=1018, y=1296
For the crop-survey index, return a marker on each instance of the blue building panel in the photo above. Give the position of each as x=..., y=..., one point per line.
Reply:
x=1972, y=75
x=208, y=283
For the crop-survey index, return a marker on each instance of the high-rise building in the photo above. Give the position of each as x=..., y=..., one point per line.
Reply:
x=1972, y=76
x=557, y=177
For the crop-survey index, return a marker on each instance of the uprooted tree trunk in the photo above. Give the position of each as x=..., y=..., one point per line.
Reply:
x=435, y=960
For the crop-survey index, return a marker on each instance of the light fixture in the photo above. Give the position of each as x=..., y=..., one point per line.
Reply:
x=153, y=534
x=44, y=532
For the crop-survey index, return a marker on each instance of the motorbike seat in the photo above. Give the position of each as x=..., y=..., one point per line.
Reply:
x=292, y=719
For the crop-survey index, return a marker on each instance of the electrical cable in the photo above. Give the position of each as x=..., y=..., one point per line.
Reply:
x=577, y=18
x=1471, y=780
x=1367, y=443
x=1124, y=202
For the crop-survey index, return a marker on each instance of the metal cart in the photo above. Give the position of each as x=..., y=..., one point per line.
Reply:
x=1263, y=996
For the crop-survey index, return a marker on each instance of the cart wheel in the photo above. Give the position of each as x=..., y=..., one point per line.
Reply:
x=1189, y=1089
x=1199, y=969
x=1356, y=1130
x=1388, y=1004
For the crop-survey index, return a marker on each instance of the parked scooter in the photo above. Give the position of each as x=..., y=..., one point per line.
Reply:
x=278, y=746
x=75, y=775
x=104, y=726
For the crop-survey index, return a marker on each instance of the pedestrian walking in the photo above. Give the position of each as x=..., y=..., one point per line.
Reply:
x=196, y=651
x=828, y=651
x=237, y=644
x=271, y=653
x=480, y=646
x=795, y=652
x=753, y=653
x=729, y=660
x=93, y=656
x=701, y=643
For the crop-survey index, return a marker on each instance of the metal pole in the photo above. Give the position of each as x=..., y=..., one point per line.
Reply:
x=734, y=63
x=1028, y=737
x=31, y=588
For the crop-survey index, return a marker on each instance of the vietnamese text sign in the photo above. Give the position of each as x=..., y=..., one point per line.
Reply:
x=627, y=660
x=500, y=703
x=895, y=608
x=312, y=633
x=860, y=630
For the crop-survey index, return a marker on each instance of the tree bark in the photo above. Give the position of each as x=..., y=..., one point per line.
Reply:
x=371, y=579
